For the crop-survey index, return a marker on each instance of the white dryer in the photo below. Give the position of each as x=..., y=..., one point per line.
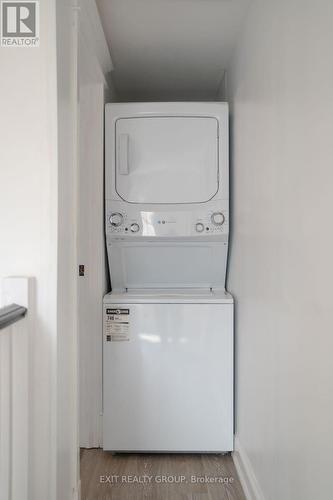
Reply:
x=168, y=322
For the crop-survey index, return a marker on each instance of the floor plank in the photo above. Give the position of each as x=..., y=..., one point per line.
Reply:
x=158, y=477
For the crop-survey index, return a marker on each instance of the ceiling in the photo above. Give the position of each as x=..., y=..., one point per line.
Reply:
x=170, y=49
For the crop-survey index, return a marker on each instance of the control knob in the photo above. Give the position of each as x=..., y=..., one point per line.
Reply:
x=135, y=227
x=116, y=219
x=199, y=227
x=218, y=218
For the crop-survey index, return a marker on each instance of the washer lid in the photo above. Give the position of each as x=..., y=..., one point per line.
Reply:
x=167, y=159
x=169, y=296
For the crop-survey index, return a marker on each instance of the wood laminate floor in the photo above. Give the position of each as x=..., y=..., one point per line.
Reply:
x=158, y=477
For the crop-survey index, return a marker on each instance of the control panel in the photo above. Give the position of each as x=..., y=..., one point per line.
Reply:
x=167, y=223
x=213, y=223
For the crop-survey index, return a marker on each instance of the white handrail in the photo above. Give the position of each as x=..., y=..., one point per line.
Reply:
x=14, y=390
x=10, y=314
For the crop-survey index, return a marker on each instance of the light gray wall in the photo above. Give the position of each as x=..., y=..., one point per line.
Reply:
x=165, y=50
x=28, y=225
x=280, y=83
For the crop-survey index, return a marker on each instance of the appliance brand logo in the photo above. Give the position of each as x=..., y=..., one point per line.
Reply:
x=19, y=24
x=117, y=311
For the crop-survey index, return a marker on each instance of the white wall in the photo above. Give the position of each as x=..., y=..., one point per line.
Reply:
x=28, y=224
x=280, y=86
x=37, y=210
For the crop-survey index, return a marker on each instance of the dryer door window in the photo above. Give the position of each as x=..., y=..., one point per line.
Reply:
x=167, y=159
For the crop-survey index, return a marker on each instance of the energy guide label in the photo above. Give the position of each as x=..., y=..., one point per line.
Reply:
x=117, y=325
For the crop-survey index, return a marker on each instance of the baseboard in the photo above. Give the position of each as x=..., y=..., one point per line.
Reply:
x=246, y=474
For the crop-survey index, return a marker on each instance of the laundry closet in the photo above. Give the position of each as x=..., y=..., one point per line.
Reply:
x=204, y=132
x=155, y=319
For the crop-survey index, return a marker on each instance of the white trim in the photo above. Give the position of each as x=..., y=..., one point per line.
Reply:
x=77, y=491
x=90, y=116
x=16, y=289
x=92, y=30
x=76, y=167
x=246, y=473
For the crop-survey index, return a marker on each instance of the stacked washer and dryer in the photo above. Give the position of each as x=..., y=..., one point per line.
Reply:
x=168, y=322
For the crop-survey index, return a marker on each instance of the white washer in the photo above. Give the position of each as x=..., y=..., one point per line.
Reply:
x=168, y=371
x=168, y=328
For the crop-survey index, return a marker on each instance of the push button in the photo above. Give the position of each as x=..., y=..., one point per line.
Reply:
x=135, y=228
x=199, y=227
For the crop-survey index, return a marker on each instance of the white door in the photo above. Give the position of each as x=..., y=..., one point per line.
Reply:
x=167, y=159
x=168, y=377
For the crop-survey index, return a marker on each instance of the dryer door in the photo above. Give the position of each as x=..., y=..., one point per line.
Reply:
x=167, y=159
